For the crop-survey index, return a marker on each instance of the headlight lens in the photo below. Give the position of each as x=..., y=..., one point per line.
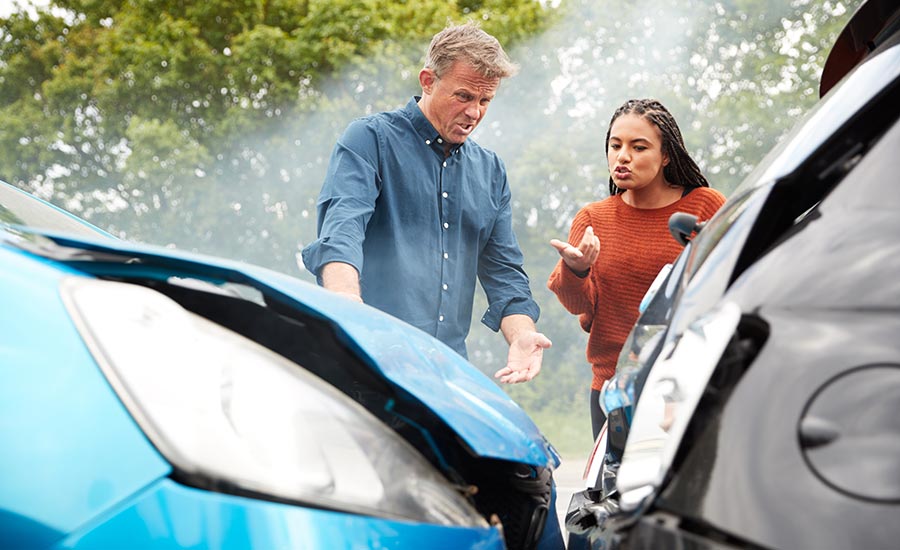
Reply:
x=223, y=408
x=667, y=403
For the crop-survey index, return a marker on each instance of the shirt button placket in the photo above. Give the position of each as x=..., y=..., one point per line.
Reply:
x=444, y=240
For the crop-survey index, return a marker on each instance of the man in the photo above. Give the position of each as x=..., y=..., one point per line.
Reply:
x=412, y=211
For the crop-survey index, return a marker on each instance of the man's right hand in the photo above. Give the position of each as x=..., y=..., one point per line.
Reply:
x=579, y=259
x=342, y=279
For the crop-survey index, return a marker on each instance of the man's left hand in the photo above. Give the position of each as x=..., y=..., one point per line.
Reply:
x=524, y=360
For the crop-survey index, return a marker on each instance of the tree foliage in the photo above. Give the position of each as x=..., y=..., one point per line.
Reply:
x=129, y=112
x=208, y=125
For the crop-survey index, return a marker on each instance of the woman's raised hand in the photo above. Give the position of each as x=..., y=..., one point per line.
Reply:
x=581, y=258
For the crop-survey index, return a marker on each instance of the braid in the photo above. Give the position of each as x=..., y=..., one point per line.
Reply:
x=681, y=170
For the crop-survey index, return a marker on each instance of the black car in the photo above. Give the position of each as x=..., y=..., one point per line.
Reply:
x=757, y=401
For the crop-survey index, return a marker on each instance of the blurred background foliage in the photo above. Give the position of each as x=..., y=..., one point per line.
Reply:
x=207, y=126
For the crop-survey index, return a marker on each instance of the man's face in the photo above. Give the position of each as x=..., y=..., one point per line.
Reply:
x=456, y=102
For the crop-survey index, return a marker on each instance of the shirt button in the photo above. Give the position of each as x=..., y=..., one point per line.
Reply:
x=446, y=225
x=445, y=194
x=446, y=255
x=440, y=140
x=445, y=164
x=445, y=286
x=441, y=318
x=427, y=142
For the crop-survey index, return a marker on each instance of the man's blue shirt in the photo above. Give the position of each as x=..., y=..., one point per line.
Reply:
x=419, y=227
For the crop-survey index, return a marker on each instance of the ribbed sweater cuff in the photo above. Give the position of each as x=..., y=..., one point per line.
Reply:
x=571, y=281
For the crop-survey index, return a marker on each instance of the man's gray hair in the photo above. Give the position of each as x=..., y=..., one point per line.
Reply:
x=472, y=45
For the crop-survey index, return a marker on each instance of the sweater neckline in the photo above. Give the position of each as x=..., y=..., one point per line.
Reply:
x=621, y=202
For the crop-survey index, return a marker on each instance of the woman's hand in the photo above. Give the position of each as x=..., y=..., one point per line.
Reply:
x=579, y=259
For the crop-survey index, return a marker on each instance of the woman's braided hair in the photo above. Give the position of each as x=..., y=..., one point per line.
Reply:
x=681, y=170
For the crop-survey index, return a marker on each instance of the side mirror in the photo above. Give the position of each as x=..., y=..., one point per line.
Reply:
x=682, y=225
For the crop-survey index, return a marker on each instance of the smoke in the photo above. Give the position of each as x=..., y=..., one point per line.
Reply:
x=728, y=77
x=735, y=75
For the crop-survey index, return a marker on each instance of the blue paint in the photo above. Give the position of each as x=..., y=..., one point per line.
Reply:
x=172, y=516
x=70, y=451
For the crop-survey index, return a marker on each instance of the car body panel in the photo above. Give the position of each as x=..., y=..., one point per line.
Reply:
x=107, y=457
x=169, y=515
x=740, y=478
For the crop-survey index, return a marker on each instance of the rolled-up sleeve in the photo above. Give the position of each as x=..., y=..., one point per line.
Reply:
x=347, y=200
x=500, y=269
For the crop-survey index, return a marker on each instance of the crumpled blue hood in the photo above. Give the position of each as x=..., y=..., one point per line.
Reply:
x=480, y=413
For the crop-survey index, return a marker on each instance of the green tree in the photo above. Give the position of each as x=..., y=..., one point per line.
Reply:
x=174, y=122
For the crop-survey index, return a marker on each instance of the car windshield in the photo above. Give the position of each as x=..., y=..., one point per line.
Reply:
x=19, y=208
x=716, y=230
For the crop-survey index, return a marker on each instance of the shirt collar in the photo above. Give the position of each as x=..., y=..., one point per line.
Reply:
x=424, y=128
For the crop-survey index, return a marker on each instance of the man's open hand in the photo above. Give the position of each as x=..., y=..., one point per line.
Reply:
x=524, y=360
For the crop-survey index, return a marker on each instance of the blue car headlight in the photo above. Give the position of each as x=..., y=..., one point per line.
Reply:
x=222, y=408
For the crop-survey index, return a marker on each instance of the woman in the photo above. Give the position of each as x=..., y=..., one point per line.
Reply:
x=617, y=246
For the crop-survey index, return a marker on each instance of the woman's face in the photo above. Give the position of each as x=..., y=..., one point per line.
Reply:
x=635, y=154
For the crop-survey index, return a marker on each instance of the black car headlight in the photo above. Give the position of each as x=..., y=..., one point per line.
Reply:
x=224, y=409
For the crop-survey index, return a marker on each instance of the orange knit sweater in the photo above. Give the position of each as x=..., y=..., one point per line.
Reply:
x=634, y=246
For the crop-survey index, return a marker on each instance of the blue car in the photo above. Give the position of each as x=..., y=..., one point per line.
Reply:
x=152, y=398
